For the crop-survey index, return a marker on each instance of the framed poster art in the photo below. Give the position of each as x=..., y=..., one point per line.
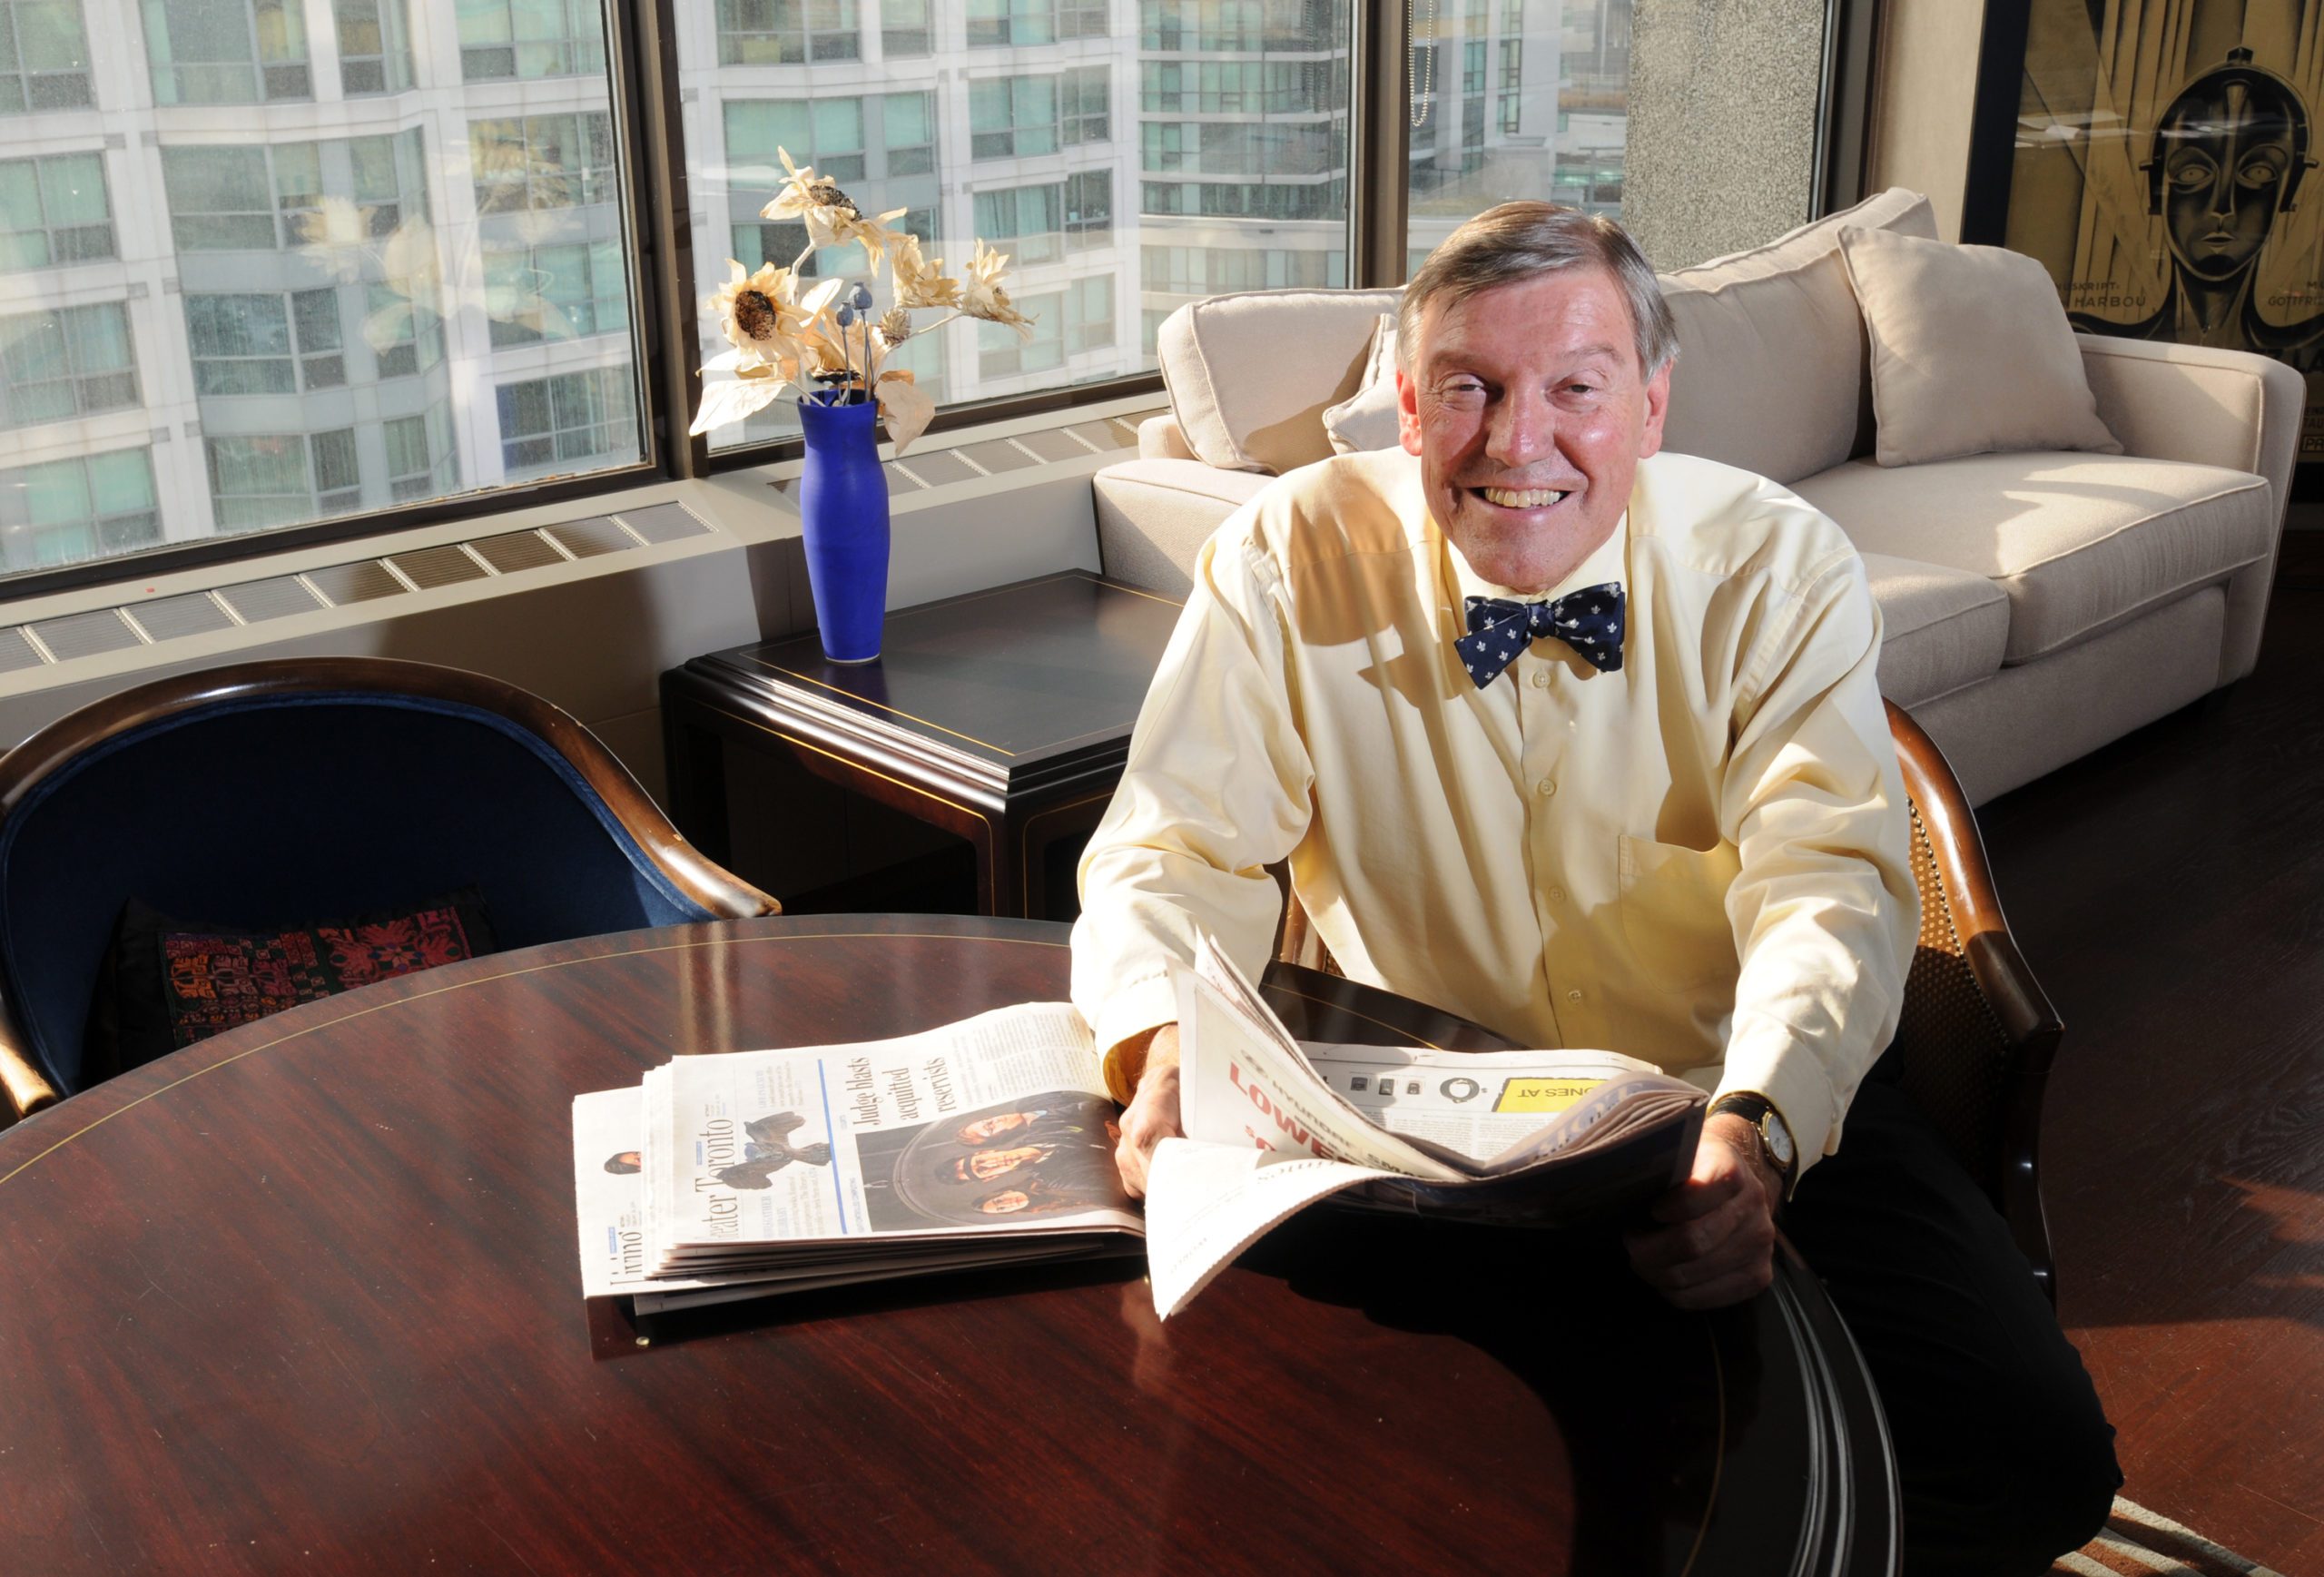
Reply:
x=2159, y=158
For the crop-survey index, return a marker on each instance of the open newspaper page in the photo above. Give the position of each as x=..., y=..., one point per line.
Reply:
x=984, y=1142
x=1271, y=1126
x=609, y=1188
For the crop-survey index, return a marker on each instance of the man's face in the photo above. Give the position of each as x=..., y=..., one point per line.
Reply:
x=2224, y=173
x=1530, y=412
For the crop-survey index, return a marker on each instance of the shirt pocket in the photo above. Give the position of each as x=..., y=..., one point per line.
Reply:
x=1674, y=911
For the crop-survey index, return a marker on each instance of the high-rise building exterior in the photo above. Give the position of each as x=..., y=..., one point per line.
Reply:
x=266, y=261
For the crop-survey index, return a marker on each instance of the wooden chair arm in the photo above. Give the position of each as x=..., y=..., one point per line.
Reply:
x=28, y=1089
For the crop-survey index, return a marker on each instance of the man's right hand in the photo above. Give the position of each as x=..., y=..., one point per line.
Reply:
x=1151, y=1063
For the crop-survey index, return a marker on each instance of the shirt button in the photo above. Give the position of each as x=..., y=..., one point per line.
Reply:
x=1557, y=895
x=1573, y=996
x=1540, y=678
x=1546, y=786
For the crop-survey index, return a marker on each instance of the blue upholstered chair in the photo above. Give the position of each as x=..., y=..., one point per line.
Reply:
x=276, y=792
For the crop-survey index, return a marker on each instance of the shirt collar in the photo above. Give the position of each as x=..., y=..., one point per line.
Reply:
x=1607, y=562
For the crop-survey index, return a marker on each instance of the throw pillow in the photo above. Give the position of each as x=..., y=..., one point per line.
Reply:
x=1971, y=352
x=1366, y=419
x=164, y=983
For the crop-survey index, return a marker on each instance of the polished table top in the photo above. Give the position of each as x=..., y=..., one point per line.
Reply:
x=305, y=1297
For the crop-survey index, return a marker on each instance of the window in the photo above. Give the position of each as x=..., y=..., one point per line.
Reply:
x=227, y=52
x=71, y=361
x=1003, y=353
x=374, y=47
x=996, y=22
x=542, y=162
x=1206, y=26
x=421, y=463
x=282, y=479
x=54, y=211
x=828, y=133
x=246, y=344
x=43, y=57
x=1197, y=271
x=555, y=292
x=530, y=38
x=903, y=28
x=405, y=334
x=77, y=509
x=229, y=198
x=1089, y=209
x=911, y=132
x=1082, y=107
x=1013, y=116
x=1089, y=308
x=791, y=32
x=1033, y=217
x=548, y=423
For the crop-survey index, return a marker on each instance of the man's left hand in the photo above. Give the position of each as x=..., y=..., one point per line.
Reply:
x=1715, y=1244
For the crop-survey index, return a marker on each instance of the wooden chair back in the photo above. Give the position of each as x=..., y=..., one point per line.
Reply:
x=1976, y=1035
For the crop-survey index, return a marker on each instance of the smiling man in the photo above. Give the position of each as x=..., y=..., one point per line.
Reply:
x=1584, y=741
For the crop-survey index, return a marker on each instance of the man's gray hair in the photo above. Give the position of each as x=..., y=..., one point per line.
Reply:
x=1519, y=240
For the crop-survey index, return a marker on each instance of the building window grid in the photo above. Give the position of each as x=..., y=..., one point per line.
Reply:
x=227, y=52
x=54, y=212
x=905, y=32
x=999, y=24
x=1012, y=118
x=555, y=292
x=546, y=422
x=791, y=32
x=43, y=57
x=422, y=462
x=524, y=39
x=282, y=479
x=374, y=47
x=265, y=344
x=1003, y=352
x=543, y=161
x=66, y=362
x=86, y=507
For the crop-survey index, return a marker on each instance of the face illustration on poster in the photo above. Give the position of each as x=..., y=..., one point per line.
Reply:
x=2163, y=153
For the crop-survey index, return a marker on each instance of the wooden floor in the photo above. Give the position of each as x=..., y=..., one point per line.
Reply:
x=2169, y=892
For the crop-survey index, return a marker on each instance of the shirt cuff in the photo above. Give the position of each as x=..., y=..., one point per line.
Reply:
x=1794, y=1083
x=1130, y=1011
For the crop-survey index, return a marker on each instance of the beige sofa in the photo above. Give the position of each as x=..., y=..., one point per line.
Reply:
x=2035, y=605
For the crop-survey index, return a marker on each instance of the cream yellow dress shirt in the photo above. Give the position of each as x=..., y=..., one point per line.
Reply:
x=1701, y=859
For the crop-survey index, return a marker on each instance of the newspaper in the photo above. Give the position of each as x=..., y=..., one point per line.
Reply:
x=1271, y=1127
x=986, y=1142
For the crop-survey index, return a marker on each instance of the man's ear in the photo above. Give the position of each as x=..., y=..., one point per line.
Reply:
x=1658, y=405
x=1407, y=412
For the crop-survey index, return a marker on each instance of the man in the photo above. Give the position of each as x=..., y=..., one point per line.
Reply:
x=1586, y=743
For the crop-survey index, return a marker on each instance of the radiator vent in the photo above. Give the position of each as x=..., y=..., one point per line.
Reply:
x=163, y=619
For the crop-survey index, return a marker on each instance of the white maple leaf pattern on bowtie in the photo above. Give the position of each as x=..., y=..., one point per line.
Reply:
x=1500, y=629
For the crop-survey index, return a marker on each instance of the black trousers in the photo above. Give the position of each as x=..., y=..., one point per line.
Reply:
x=2005, y=1457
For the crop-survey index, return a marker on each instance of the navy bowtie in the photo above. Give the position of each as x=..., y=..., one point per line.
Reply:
x=1589, y=620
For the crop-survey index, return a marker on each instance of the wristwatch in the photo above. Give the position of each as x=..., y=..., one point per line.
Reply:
x=1775, y=1135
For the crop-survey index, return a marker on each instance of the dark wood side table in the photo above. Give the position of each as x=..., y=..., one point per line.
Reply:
x=1002, y=716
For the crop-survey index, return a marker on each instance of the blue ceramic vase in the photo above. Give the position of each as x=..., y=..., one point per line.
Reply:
x=844, y=504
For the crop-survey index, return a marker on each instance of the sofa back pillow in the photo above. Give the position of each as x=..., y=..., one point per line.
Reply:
x=1772, y=355
x=1971, y=352
x=1250, y=375
x=1366, y=419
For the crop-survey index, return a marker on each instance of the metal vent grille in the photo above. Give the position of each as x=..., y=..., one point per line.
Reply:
x=256, y=601
x=347, y=583
x=15, y=652
x=663, y=523
x=84, y=635
x=165, y=619
x=588, y=538
x=430, y=567
x=517, y=551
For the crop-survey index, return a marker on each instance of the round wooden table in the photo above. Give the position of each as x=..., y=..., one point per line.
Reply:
x=305, y=1297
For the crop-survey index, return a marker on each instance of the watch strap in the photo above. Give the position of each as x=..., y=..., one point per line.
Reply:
x=1756, y=1108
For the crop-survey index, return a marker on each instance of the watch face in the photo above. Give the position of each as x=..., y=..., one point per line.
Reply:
x=1778, y=1137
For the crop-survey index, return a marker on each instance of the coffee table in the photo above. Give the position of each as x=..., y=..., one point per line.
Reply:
x=305, y=1297
x=1002, y=716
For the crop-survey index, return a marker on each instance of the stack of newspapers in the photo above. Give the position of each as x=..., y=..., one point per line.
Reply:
x=991, y=1142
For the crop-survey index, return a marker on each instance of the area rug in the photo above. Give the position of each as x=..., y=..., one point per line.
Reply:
x=2138, y=1542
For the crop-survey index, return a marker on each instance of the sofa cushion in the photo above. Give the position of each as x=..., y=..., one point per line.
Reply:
x=1772, y=353
x=1971, y=352
x=1251, y=375
x=1939, y=628
x=1367, y=418
x=1154, y=516
x=2079, y=543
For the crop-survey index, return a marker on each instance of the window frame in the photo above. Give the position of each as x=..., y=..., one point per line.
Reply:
x=650, y=168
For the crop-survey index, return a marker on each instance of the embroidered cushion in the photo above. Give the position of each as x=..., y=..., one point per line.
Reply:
x=166, y=983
